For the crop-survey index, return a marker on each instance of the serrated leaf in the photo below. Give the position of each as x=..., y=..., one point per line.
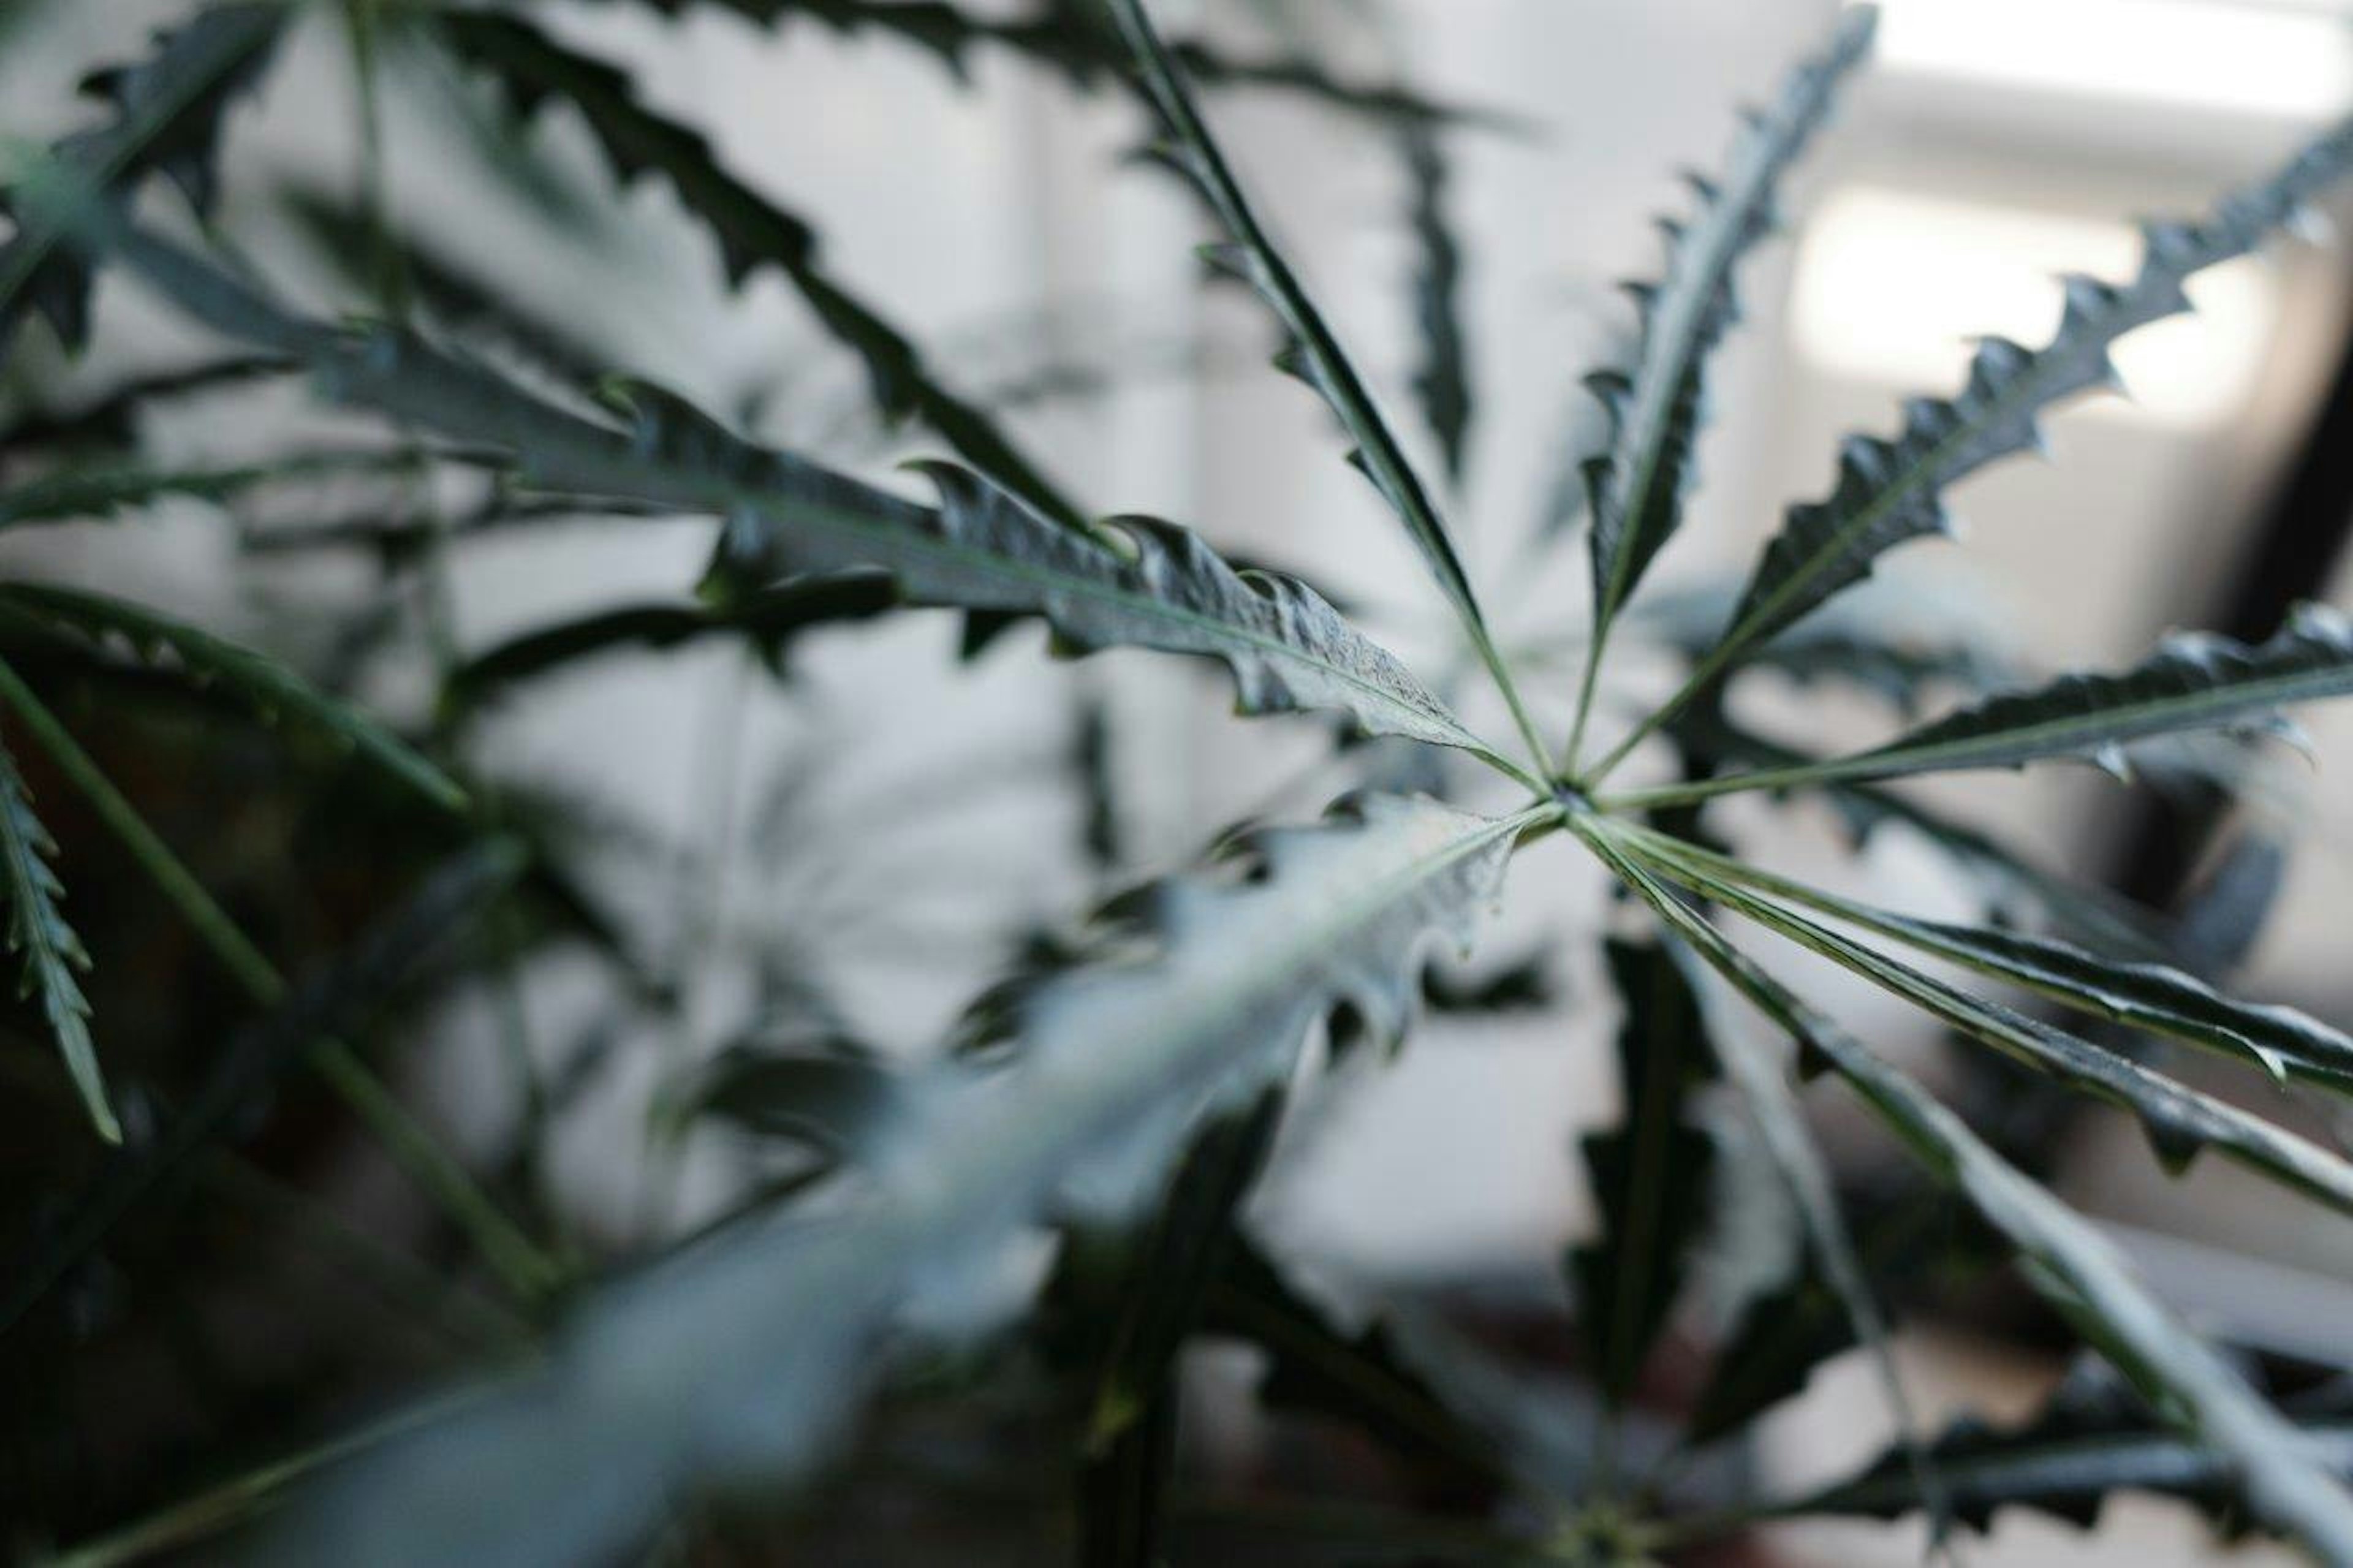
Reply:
x=1789, y=1146
x=108, y=421
x=1892, y=491
x=1311, y=353
x=344, y=995
x=2091, y=1439
x=769, y=619
x=1649, y=1173
x=2180, y=1121
x=367, y=256
x=743, y=1354
x=165, y=118
x=1655, y=410
x=274, y=691
x=1442, y=379
x=1784, y=1335
x=2088, y=914
x=1366, y=1374
x=753, y=232
x=50, y=952
x=2156, y=997
x=2193, y=681
x=982, y=549
x=74, y=492
x=1149, y=1296
x=1072, y=37
x=1900, y=652
x=2075, y=1266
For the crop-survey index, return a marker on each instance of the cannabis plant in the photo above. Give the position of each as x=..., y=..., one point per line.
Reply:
x=949, y=1303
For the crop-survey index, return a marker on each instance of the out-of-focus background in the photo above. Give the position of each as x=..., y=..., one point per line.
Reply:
x=1994, y=144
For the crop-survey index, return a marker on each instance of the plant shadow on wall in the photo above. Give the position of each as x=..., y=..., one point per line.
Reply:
x=865, y=1354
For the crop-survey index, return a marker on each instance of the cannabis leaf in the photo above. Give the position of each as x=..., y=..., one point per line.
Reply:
x=273, y=691
x=742, y=1352
x=165, y=119
x=46, y=945
x=1891, y=491
x=2194, y=681
x=1637, y=486
x=1313, y=355
x=753, y=232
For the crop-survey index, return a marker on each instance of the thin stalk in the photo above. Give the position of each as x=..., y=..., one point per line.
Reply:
x=1706, y=671
x=1688, y=791
x=519, y=1264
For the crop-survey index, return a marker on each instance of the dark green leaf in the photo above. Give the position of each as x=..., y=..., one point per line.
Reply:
x=109, y=421
x=273, y=691
x=87, y=491
x=1655, y=413
x=532, y=68
x=165, y=118
x=983, y=550
x=1649, y=1173
x=1368, y=1376
x=1892, y=491
x=2191, y=682
x=2151, y=996
x=340, y=1000
x=2075, y=1266
x=2180, y=1121
x=1311, y=353
x=744, y=1352
x=1442, y=380
x=2092, y=1438
x=769, y=619
x=48, y=947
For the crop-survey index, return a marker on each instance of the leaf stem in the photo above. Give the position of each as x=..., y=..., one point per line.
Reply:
x=520, y=1265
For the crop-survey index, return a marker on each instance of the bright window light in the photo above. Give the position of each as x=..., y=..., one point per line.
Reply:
x=2259, y=56
x=1890, y=288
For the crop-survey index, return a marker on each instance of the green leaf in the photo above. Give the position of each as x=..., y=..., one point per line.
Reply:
x=2006, y=877
x=274, y=691
x=1071, y=36
x=1311, y=354
x=1637, y=487
x=2075, y=1266
x=828, y=1095
x=367, y=257
x=744, y=1352
x=532, y=68
x=1649, y=1173
x=1899, y=649
x=49, y=950
x=1376, y=1377
x=1892, y=491
x=1789, y=1144
x=2091, y=1439
x=1784, y=1335
x=165, y=118
x=1147, y=1288
x=2152, y=996
x=2179, y=1120
x=337, y=1001
x=769, y=619
x=77, y=491
x=1442, y=380
x=109, y=420
x=2194, y=681
x=983, y=550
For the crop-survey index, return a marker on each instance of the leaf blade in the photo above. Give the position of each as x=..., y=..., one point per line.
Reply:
x=49, y=951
